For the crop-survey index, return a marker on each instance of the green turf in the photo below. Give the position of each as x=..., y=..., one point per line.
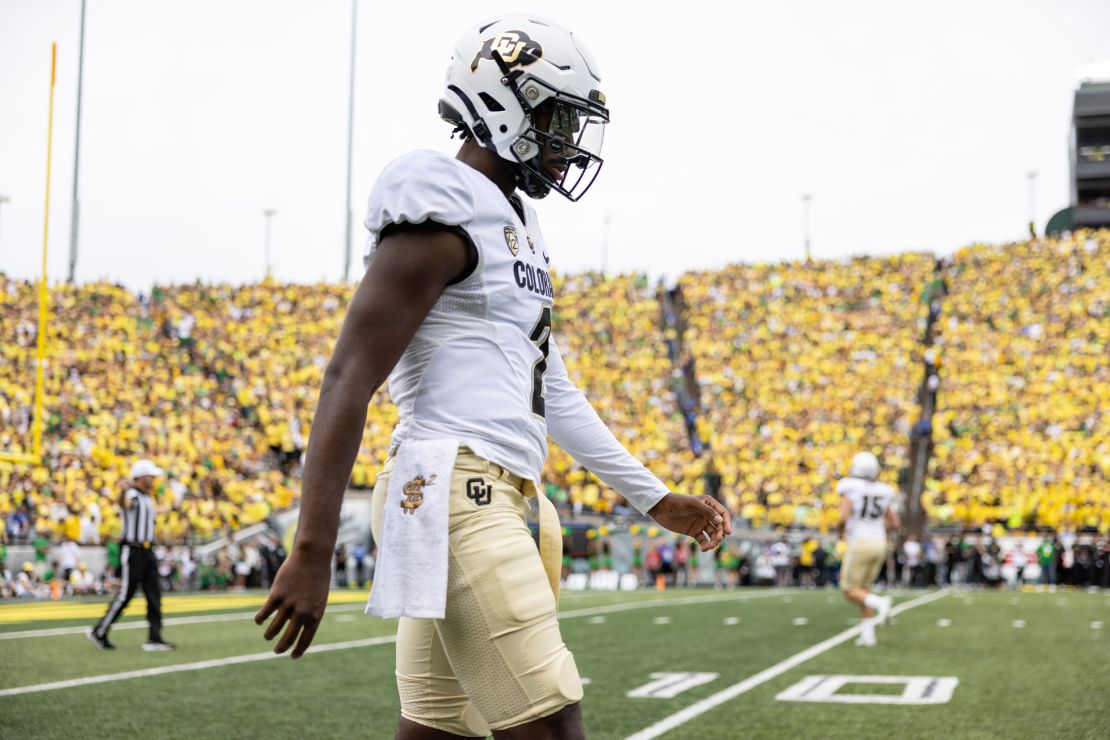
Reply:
x=1046, y=679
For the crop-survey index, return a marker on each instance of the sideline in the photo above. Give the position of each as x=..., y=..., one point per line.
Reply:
x=682, y=717
x=327, y=647
x=234, y=616
x=14, y=612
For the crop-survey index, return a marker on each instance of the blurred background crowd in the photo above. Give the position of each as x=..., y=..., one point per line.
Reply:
x=754, y=383
x=810, y=561
x=655, y=559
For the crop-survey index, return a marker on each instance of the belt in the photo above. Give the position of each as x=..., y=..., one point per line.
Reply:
x=145, y=544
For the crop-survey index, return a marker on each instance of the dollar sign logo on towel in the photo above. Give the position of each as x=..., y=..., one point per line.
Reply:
x=413, y=493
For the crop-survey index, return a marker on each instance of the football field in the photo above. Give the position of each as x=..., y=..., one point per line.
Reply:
x=680, y=664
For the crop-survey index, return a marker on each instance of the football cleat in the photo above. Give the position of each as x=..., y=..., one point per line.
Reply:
x=100, y=642
x=883, y=616
x=155, y=646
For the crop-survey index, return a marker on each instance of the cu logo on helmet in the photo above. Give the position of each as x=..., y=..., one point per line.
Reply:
x=515, y=48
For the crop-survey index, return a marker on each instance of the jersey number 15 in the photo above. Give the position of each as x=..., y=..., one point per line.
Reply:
x=872, y=509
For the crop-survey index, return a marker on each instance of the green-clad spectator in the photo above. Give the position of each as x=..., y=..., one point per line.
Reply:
x=42, y=550
x=592, y=556
x=638, y=561
x=722, y=572
x=1046, y=557
x=111, y=551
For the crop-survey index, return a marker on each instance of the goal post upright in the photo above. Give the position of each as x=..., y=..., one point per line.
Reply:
x=35, y=457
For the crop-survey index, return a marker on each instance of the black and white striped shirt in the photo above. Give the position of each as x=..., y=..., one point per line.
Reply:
x=138, y=518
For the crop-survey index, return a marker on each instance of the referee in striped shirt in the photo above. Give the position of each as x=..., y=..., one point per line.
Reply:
x=139, y=566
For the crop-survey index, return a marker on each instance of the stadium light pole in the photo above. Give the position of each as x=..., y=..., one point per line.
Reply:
x=806, y=198
x=1032, y=177
x=350, y=136
x=605, y=242
x=4, y=199
x=76, y=209
x=268, y=214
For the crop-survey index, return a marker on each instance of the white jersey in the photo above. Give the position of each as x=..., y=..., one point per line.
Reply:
x=483, y=368
x=870, y=500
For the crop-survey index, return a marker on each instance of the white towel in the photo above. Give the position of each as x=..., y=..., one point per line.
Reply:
x=410, y=579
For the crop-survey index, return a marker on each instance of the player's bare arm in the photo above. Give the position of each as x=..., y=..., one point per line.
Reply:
x=891, y=520
x=845, y=516
x=406, y=278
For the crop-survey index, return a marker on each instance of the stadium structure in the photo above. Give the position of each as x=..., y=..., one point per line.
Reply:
x=1089, y=154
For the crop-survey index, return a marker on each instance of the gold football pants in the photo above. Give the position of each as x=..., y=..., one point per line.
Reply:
x=497, y=658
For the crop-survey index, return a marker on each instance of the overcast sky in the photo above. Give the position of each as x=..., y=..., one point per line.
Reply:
x=913, y=125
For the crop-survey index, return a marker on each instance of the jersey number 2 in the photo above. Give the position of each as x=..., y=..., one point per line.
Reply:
x=541, y=336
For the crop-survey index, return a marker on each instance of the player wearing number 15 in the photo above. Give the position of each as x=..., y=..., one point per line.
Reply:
x=866, y=515
x=456, y=309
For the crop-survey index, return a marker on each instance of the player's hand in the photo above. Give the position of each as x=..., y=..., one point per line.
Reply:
x=298, y=597
x=700, y=517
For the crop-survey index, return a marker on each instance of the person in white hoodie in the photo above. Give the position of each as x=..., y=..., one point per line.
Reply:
x=69, y=554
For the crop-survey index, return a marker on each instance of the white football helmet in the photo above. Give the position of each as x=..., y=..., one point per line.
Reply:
x=864, y=465
x=501, y=71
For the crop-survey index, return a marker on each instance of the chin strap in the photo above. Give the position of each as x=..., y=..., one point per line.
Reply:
x=532, y=184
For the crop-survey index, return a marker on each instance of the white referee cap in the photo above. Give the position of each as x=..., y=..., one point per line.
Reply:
x=144, y=467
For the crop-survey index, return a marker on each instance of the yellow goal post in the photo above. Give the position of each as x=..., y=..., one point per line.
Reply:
x=35, y=456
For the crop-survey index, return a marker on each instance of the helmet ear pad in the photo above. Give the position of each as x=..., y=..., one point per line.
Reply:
x=526, y=150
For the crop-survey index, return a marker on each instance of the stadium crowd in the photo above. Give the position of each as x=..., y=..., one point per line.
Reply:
x=1022, y=430
x=216, y=383
x=809, y=561
x=608, y=333
x=203, y=379
x=780, y=371
x=60, y=570
x=801, y=365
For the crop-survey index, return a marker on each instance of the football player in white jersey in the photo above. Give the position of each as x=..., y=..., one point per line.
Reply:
x=455, y=308
x=866, y=515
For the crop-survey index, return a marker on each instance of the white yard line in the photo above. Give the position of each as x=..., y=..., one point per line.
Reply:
x=204, y=664
x=140, y=624
x=198, y=666
x=694, y=710
x=233, y=616
x=650, y=603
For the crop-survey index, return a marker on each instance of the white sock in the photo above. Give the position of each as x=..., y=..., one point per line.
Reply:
x=867, y=629
x=873, y=602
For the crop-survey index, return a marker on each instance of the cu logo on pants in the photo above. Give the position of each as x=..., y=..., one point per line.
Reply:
x=478, y=491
